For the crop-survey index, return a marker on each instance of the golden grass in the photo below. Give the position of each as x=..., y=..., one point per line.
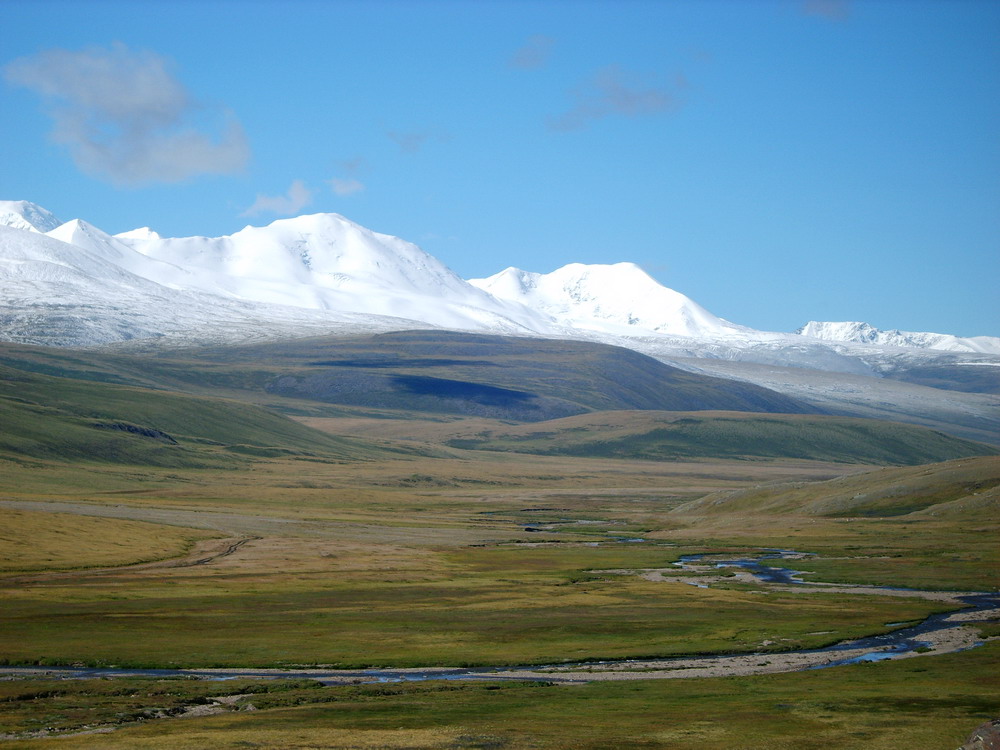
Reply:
x=232, y=732
x=33, y=540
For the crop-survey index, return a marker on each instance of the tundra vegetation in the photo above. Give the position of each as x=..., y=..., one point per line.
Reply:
x=246, y=508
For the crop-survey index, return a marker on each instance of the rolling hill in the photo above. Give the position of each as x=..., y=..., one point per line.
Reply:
x=205, y=405
x=53, y=418
x=523, y=379
x=516, y=378
x=969, y=486
x=663, y=436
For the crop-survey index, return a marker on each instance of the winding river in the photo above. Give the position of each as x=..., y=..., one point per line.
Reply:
x=939, y=633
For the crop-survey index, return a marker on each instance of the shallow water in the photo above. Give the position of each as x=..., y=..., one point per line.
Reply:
x=878, y=647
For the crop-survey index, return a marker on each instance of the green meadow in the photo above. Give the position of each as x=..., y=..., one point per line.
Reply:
x=178, y=511
x=916, y=703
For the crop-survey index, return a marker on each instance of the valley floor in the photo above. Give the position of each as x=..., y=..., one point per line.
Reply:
x=494, y=560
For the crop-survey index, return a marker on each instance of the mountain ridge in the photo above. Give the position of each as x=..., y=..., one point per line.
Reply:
x=315, y=273
x=865, y=333
x=322, y=275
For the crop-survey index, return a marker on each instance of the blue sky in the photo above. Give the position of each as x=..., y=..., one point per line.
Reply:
x=777, y=161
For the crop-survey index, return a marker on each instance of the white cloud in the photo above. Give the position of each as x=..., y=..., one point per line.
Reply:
x=346, y=186
x=124, y=116
x=298, y=197
x=612, y=91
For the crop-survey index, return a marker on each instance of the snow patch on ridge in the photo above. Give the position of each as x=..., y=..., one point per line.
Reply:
x=863, y=333
x=142, y=233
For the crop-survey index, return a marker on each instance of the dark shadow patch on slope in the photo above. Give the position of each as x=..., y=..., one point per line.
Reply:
x=382, y=390
x=387, y=362
x=489, y=395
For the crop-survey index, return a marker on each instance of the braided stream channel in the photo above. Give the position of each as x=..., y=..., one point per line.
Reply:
x=939, y=633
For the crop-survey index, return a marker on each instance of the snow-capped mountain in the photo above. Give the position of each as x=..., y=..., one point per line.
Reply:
x=617, y=299
x=74, y=284
x=25, y=215
x=77, y=285
x=326, y=262
x=863, y=333
x=56, y=294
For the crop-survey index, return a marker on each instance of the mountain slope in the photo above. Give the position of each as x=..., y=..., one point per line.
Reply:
x=77, y=286
x=27, y=216
x=664, y=436
x=497, y=376
x=417, y=372
x=59, y=294
x=619, y=298
x=326, y=262
x=294, y=276
x=74, y=413
x=974, y=416
x=54, y=418
x=967, y=377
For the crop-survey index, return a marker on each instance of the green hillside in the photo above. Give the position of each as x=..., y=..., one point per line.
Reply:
x=59, y=418
x=664, y=436
x=522, y=379
x=960, y=488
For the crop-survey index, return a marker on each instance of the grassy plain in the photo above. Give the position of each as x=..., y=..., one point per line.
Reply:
x=383, y=565
x=36, y=541
x=418, y=561
x=366, y=539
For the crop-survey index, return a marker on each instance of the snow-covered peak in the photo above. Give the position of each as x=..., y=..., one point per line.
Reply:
x=317, y=262
x=141, y=233
x=324, y=267
x=864, y=333
x=26, y=215
x=82, y=234
x=619, y=298
x=320, y=250
x=116, y=250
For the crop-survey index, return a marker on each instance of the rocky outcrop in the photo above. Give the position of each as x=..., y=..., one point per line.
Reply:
x=985, y=737
x=136, y=430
